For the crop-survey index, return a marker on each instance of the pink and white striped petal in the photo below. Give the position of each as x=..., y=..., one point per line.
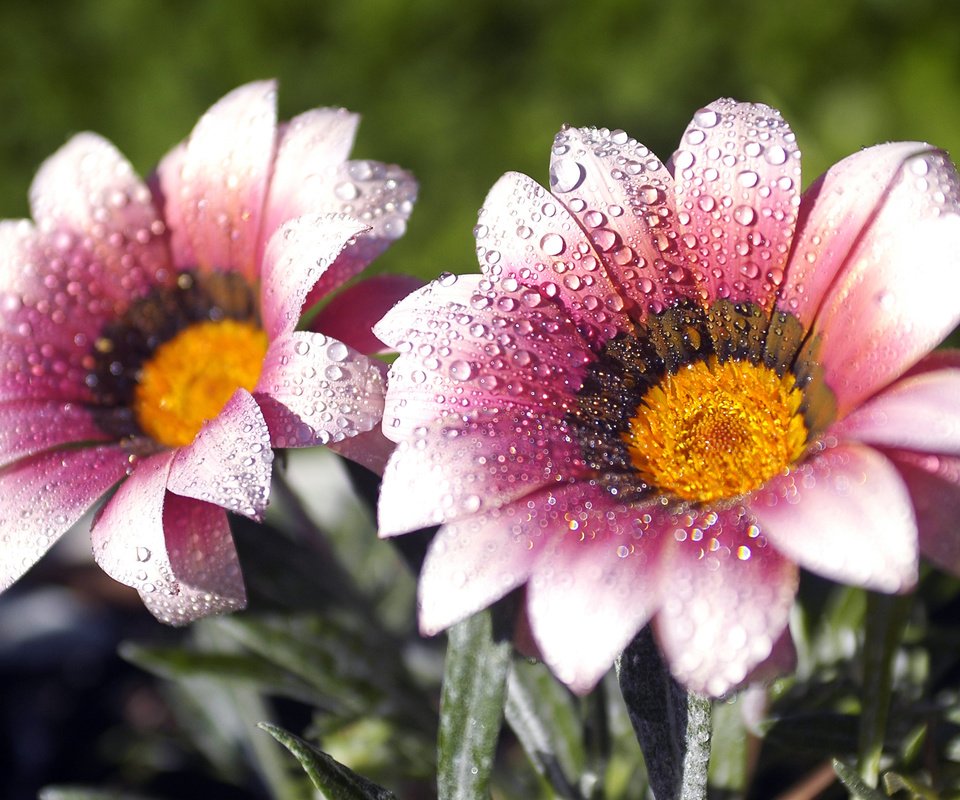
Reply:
x=297, y=255
x=352, y=313
x=44, y=495
x=175, y=551
x=86, y=197
x=846, y=514
x=316, y=390
x=30, y=426
x=475, y=561
x=596, y=582
x=515, y=353
x=918, y=412
x=727, y=601
x=203, y=561
x=737, y=175
x=310, y=147
x=934, y=485
x=898, y=284
x=525, y=236
x=380, y=195
x=230, y=461
x=457, y=468
x=834, y=213
x=622, y=196
x=34, y=369
x=218, y=191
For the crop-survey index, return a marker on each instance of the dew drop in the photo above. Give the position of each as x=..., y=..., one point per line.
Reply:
x=461, y=370
x=744, y=215
x=706, y=118
x=553, y=244
x=775, y=155
x=566, y=175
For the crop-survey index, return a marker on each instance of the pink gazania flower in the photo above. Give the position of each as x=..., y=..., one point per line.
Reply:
x=149, y=340
x=673, y=384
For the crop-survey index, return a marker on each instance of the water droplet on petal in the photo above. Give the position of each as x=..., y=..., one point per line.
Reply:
x=553, y=244
x=566, y=175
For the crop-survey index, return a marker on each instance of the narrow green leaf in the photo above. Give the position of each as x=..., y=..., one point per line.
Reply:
x=542, y=715
x=894, y=782
x=855, y=784
x=178, y=663
x=672, y=724
x=471, y=707
x=333, y=780
x=886, y=619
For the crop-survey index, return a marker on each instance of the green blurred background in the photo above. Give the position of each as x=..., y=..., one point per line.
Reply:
x=460, y=92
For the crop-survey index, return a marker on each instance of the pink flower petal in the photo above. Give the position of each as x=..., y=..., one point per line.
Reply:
x=311, y=146
x=203, y=560
x=459, y=467
x=909, y=244
x=29, y=426
x=175, y=551
x=834, y=212
x=381, y=195
x=312, y=177
x=86, y=197
x=31, y=368
x=737, y=177
x=165, y=183
x=615, y=186
x=219, y=193
x=475, y=561
x=44, y=495
x=595, y=584
x=844, y=514
x=370, y=449
x=726, y=602
x=934, y=485
x=525, y=235
x=230, y=461
x=920, y=412
x=505, y=355
x=297, y=255
x=314, y=390
x=351, y=314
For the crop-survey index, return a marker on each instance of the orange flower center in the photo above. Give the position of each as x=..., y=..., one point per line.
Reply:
x=190, y=377
x=717, y=430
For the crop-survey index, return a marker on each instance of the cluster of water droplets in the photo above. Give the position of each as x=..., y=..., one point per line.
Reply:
x=484, y=346
x=737, y=175
x=622, y=196
x=227, y=465
x=328, y=392
x=44, y=499
x=379, y=195
x=97, y=244
x=524, y=233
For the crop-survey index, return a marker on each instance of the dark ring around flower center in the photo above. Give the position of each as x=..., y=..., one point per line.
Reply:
x=127, y=343
x=631, y=364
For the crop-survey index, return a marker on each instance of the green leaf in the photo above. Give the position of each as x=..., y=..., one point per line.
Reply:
x=330, y=777
x=672, y=724
x=542, y=714
x=886, y=619
x=894, y=782
x=471, y=707
x=178, y=663
x=855, y=784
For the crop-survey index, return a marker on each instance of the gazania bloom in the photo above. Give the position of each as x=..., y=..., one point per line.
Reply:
x=148, y=340
x=673, y=384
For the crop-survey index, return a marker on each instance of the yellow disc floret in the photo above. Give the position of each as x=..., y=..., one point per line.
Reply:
x=190, y=377
x=716, y=430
